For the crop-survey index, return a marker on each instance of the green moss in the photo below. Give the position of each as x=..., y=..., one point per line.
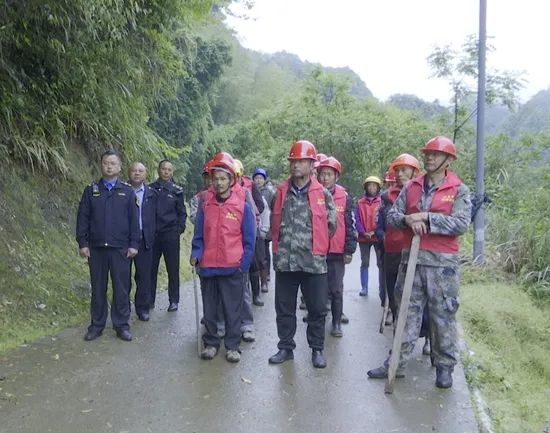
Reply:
x=510, y=338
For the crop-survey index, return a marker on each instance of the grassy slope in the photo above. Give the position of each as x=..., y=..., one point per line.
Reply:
x=44, y=284
x=510, y=339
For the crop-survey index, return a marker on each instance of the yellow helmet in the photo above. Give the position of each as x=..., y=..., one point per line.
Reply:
x=373, y=179
x=239, y=168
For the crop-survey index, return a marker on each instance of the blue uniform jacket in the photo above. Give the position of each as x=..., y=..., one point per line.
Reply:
x=149, y=215
x=171, y=213
x=108, y=218
x=248, y=228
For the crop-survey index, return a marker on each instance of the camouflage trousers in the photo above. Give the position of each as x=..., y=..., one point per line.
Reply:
x=437, y=287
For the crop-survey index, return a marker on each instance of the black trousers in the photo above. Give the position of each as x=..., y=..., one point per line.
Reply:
x=391, y=269
x=167, y=244
x=102, y=262
x=142, y=263
x=336, y=270
x=229, y=292
x=315, y=291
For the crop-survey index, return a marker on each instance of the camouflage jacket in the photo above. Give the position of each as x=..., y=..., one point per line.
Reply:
x=455, y=224
x=295, y=237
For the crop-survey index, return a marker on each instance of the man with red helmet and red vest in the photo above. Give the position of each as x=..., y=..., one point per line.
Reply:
x=404, y=167
x=366, y=214
x=437, y=207
x=303, y=219
x=343, y=243
x=222, y=247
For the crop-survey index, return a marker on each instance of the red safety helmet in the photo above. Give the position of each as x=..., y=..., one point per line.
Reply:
x=405, y=159
x=331, y=162
x=302, y=149
x=224, y=161
x=440, y=144
x=390, y=176
x=206, y=167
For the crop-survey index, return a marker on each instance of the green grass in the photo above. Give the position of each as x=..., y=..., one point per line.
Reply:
x=509, y=335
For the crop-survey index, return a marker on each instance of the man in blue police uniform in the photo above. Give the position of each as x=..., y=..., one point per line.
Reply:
x=107, y=232
x=146, y=199
x=171, y=216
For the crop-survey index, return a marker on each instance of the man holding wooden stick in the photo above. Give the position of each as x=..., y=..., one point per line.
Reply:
x=437, y=207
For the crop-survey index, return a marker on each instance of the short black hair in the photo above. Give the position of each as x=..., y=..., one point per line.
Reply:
x=110, y=152
x=162, y=161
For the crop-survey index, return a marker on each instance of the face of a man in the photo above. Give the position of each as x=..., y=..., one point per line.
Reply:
x=259, y=180
x=435, y=162
x=110, y=166
x=221, y=181
x=403, y=174
x=137, y=174
x=300, y=168
x=327, y=176
x=372, y=189
x=166, y=171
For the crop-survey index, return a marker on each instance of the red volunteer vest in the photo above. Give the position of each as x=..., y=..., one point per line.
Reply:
x=394, y=239
x=368, y=211
x=223, y=242
x=338, y=240
x=319, y=219
x=442, y=203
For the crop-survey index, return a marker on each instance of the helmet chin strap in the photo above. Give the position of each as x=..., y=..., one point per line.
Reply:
x=441, y=165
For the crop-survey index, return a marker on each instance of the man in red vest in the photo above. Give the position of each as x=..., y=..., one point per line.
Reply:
x=222, y=247
x=343, y=243
x=366, y=214
x=437, y=207
x=404, y=167
x=303, y=219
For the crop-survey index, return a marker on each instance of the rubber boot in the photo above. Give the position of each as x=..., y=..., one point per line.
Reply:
x=364, y=282
x=255, y=286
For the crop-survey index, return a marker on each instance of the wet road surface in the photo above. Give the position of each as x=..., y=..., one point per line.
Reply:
x=157, y=383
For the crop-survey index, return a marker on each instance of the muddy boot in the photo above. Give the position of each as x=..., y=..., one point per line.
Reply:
x=336, y=330
x=257, y=300
x=444, y=377
x=382, y=373
x=255, y=286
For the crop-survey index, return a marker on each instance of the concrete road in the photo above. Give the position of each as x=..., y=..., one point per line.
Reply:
x=157, y=383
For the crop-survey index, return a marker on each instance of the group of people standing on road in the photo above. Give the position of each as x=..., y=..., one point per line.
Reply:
x=314, y=227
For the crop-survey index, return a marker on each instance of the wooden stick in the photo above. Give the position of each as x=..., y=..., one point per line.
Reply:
x=403, y=313
x=197, y=317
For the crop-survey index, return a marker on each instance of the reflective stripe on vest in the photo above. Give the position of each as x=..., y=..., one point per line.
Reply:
x=223, y=241
x=338, y=240
x=442, y=203
x=319, y=223
x=368, y=211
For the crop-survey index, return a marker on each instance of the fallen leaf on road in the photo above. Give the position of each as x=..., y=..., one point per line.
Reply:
x=86, y=410
x=245, y=380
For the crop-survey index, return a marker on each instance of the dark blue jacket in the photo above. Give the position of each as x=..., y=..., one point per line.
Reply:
x=149, y=215
x=171, y=213
x=108, y=218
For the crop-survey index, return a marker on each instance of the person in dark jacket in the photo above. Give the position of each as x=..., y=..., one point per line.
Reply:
x=146, y=199
x=171, y=219
x=107, y=232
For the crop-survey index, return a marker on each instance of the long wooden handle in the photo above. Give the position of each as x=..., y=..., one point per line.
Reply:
x=403, y=312
x=197, y=317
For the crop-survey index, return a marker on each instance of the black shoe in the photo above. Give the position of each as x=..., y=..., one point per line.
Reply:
x=92, y=335
x=318, y=359
x=144, y=317
x=124, y=334
x=258, y=301
x=305, y=318
x=444, y=377
x=344, y=319
x=302, y=305
x=173, y=306
x=336, y=330
x=381, y=373
x=281, y=356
